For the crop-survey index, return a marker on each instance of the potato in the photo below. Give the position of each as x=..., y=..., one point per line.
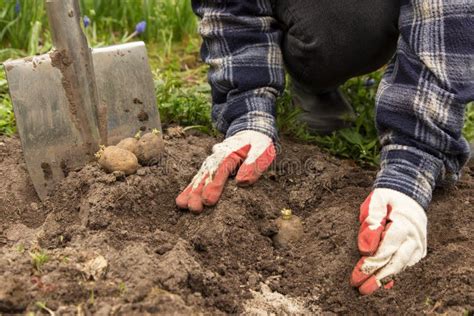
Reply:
x=290, y=230
x=113, y=158
x=150, y=147
x=130, y=144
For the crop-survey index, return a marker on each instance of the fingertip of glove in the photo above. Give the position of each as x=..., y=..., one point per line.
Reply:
x=195, y=204
x=369, y=240
x=358, y=277
x=247, y=175
x=182, y=200
x=196, y=210
x=210, y=200
x=369, y=286
x=389, y=285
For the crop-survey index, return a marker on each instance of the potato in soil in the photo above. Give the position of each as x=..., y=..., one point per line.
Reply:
x=130, y=144
x=150, y=147
x=113, y=158
x=290, y=229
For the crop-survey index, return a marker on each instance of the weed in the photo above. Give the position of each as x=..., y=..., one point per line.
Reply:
x=20, y=248
x=65, y=259
x=469, y=123
x=42, y=306
x=39, y=258
x=122, y=288
x=183, y=95
x=92, y=297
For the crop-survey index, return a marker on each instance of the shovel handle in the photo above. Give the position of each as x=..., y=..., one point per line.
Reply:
x=64, y=19
x=75, y=63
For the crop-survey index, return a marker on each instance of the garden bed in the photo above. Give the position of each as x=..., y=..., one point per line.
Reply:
x=160, y=259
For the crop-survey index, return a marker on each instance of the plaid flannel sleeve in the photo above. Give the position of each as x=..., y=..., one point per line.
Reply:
x=241, y=43
x=421, y=100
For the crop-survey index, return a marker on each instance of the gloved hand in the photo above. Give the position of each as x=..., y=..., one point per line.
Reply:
x=255, y=149
x=392, y=236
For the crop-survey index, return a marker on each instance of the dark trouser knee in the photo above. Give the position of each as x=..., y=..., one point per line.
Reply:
x=326, y=42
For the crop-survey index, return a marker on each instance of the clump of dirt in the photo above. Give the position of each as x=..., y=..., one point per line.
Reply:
x=155, y=258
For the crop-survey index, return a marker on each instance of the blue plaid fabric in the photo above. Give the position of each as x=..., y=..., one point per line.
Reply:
x=421, y=100
x=420, y=103
x=242, y=47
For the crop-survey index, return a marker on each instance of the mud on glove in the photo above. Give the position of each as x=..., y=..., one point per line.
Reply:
x=392, y=236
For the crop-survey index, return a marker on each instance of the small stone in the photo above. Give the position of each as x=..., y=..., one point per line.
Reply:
x=253, y=280
x=119, y=175
x=176, y=132
x=34, y=206
x=141, y=172
x=96, y=268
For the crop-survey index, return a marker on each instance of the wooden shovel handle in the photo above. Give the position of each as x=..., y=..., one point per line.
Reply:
x=73, y=57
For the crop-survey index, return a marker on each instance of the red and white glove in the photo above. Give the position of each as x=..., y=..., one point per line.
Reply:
x=392, y=236
x=255, y=149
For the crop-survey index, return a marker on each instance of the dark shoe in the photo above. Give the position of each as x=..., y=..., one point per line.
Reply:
x=323, y=113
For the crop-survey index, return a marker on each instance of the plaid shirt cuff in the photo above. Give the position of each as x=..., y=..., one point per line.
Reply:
x=409, y=171
x=253, y=110
x=255, y=121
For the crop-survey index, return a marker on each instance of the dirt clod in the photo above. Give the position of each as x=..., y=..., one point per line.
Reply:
x=95, y=268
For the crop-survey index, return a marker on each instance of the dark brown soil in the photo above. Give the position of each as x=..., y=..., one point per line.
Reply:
x=163, y=260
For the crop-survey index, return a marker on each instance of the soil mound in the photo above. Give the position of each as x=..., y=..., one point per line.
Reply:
x=109, y=244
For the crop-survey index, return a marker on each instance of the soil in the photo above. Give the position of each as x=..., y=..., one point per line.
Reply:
x=109, y=244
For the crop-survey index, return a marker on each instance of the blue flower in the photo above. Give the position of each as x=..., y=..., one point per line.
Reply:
x=141, y=27
x=369, y=82
x=86, y=21
x=17, y=7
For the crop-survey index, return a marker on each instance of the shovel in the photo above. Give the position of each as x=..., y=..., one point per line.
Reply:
x=73, y=99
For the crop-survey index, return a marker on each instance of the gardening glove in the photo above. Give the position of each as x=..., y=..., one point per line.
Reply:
x=392, y=236
x=254, y=149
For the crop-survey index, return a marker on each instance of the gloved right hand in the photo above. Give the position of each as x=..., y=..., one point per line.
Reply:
x=254, y=149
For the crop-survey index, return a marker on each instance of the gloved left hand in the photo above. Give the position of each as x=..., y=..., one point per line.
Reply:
x=392, y=236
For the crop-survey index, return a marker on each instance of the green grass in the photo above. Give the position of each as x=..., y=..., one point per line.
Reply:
x=182, y=91
x=42, y=306
x=39, y=258
x=26, y=32
x=7, y=119
x=469, y=123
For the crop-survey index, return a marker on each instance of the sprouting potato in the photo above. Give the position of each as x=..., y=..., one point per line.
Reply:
x=290, y=229
x=150, y=147
x=130, y=144
x=113, y=158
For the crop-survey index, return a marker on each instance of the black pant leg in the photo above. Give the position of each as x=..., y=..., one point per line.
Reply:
x=327, y=42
